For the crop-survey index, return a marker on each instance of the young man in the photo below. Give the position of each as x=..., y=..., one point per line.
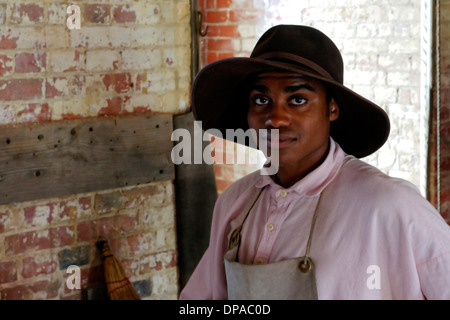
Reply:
x=326, y=225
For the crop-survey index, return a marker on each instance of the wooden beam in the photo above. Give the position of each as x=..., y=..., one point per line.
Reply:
x=195, y=197
x=59, y=158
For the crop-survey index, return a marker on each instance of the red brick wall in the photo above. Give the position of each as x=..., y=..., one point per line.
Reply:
x=128, y=57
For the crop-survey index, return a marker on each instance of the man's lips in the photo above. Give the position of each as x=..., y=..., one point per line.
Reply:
x=282, y=141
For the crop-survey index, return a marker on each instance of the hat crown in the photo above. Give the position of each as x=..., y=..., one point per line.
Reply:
x=305, y=42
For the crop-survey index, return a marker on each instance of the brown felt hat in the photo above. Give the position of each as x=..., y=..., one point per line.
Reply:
x=220, y=90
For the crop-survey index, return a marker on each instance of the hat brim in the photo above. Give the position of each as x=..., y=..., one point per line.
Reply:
x=219, y=101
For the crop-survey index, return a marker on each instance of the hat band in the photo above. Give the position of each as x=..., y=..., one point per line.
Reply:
x=293, y=57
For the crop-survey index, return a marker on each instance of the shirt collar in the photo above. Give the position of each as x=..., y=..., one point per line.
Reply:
x=316, y=180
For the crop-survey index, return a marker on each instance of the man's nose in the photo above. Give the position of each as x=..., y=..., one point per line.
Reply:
x=278, y=116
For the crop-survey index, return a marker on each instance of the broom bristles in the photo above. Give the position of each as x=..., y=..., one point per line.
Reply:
x=118, y=285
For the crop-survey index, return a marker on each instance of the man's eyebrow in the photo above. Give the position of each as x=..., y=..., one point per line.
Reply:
x=306, y=86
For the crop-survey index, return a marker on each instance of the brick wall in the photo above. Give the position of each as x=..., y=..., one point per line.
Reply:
x=128, y=57
x=380, y=45
x=444, y=121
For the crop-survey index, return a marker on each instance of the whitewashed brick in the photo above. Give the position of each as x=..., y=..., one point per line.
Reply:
x=365, y=14
x=385, y=94
x=158, y=216
x=364, y=90
x=398, y=78
x=401, y=46
x=165, y=284
x=182, y=35
x=387, y=158
x=147, y=13
x=56, y=37
x=183, y=13
x=150, y=102
x=402, y=13
x=7, y=114
x=339, y=30
x=24, y=37
x=247, y=30
x=393, y=62
x=139, y=59
x=326, y=14
x=102, y=60
x=366, y=30
x=182, y=59
x=66, y=60
x=366, y=77
x=248, y=45
x=365, y=45
x=170, y=102
x=56, y=13
x=161, y=81
x=152, y=36
x=165, y=238
x=101, y=36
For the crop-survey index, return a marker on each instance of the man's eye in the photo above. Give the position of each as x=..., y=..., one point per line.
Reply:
x=261, y=100
x=297, y=101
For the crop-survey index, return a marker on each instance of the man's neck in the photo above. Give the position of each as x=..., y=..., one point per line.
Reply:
x=289, y=175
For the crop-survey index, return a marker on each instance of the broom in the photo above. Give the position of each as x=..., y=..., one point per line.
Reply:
x=118, y=285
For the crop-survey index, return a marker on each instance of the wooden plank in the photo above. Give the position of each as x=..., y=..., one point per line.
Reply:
x=195, y=197
x=60, y=158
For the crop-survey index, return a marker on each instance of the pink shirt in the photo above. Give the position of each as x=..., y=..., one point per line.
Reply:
x=375, y=237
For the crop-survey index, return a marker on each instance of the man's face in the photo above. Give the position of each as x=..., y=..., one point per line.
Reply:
x=297, y=106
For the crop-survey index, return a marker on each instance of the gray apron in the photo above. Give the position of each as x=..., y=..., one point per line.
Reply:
x=292, y=279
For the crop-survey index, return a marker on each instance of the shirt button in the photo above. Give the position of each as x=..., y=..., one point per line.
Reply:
x=270, y=227
x=260, y=261
x=283, y=193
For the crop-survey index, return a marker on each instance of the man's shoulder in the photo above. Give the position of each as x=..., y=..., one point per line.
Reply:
x=364, y=177
x=364, y=190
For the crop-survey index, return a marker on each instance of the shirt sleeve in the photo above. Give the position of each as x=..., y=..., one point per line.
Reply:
x=431, y=246
x=433, y=241
x=435, y=278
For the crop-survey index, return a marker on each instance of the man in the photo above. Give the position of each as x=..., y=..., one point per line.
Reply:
x=326, y=225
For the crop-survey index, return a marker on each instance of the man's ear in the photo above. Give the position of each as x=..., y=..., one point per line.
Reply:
x=333, y=109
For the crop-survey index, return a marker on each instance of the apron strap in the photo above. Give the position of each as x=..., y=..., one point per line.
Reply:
x=235, y=238
x=305, y=266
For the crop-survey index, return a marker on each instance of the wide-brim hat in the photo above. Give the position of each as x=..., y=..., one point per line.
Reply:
x=220, y=89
